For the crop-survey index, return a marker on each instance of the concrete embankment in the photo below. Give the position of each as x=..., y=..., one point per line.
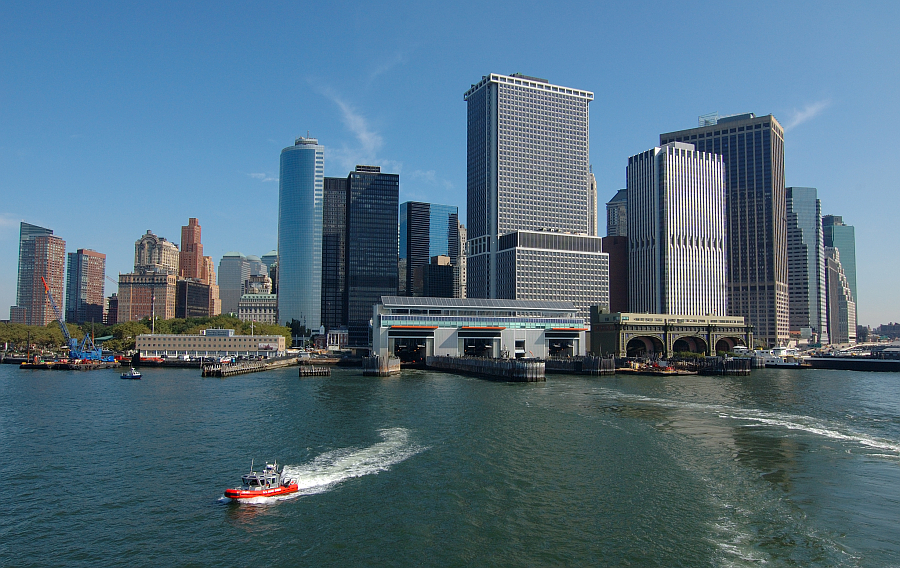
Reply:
x=377, y=366
x=587, y=365
x=244, y=367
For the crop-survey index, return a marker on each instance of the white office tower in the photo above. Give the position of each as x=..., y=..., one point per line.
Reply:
x=528, y=178
x=676, y=231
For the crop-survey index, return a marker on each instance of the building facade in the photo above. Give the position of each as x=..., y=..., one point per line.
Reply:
x=29, y=290
x=460, y=272
x=372, y=246
x=85, y=280
x=842, y=237
x=146, y=295
x=426, y=230
x=527, y=167
x=334, y=260
x=752, y=148
x=45, y=257
x=210, y=343
x=191, y=298
x=840, y=306
x=806, y=265
x=676, y=231
x=300, y=195
x=155, y=254
x=234, y=270
x=415, y=328
x=542, y=265
x=617, y=214
x=616, y=249
x=260, y=307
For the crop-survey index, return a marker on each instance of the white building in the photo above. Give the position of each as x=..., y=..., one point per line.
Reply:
x=676, y=231
x=210, y=343
x=415, y=328
x=528, y=169
x=258, y=307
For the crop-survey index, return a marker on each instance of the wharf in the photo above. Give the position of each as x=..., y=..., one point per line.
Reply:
x=518, y=370
x=587, y=365
x=245, y=367
x=314, y=371
x=70, y=366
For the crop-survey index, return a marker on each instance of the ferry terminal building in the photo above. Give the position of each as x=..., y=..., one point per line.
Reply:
x=413, y=328
x=210, y=343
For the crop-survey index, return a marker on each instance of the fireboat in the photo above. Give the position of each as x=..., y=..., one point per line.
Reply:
x=267, y=483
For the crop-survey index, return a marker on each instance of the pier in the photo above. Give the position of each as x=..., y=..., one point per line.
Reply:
x=314, y=371
x=517, y=370
x=378, y=366
x=244, y=367
x=588, y=365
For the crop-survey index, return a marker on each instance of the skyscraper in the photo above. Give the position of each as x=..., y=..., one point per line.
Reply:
x=85, y=280
x=41, y=254
x=676, y=231
x=528, y=172
x=190, y=257
x=334, y=260
x=371, y=246
x=753, y=151
x=234, y=270
x=841, y=309
x=617, y=215
x=426, y=230
x=300, y=194
x=25, y=290
x=192, y=265
x=806, y=265
x=842, y=237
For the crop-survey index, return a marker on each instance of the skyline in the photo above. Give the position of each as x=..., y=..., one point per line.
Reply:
x=147, y=116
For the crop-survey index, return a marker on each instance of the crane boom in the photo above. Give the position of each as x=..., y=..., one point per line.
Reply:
x=59, y=317
x=87, y=349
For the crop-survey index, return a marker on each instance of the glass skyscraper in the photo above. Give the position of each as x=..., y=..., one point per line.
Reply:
x=426, y=230
x=753, y=150
x=85, y=279
x=371, y=246
x=334, y=259
x=806, y=264
x=300, y=195
x=843, y=237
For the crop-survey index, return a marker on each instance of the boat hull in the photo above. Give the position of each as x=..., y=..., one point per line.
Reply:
x=237, y=493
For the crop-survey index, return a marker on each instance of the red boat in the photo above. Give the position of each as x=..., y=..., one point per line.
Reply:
x=267, y=483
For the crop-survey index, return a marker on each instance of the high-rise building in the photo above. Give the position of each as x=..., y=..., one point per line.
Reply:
x=371, y=246
x=234, y=270
x=842, y=237
x=85, y=279
x=190, y=257
x=426, y=230
x=199, y=269
x=300, y=194
x=753, y=151
x=269, y=259
x=806, y=265
x=146, y=294
x=155, y=254
x=841, y=309
x=617, y=215
x=459, y=269
x=592, y=204
x=334, y=260
x=191, y=298
x=528, y=173
x=29, y=291
x=617, y=250
x=676, y=231
x=44, y=256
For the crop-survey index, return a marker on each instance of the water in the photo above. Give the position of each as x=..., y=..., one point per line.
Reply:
x=782, y=468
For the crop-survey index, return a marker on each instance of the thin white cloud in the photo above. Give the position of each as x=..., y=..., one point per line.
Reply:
x=386, y=65
x=263, y=177
x=431, y=178
x=808, y=113
x=7, y=222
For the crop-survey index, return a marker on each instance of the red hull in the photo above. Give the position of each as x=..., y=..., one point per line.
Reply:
x=238, y=493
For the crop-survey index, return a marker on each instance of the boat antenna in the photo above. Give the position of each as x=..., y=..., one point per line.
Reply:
x=251, y=465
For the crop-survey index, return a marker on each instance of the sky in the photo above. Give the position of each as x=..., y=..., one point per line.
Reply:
x=122, y=117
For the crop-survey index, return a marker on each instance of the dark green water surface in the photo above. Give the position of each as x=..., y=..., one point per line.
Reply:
x=782, y=468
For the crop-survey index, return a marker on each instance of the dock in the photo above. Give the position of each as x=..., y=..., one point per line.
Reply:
x=245, y=367
x=588, y=365
x=516, y=370
x=314, y=371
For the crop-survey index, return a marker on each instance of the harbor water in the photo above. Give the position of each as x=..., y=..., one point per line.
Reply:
x=779, y=468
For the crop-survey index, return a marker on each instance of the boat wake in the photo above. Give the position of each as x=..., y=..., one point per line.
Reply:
x=331, y=468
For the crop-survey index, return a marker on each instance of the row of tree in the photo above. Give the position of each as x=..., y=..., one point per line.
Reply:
x=21, y=338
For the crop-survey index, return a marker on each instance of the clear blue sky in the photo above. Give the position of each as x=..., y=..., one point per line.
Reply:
x=119, y=117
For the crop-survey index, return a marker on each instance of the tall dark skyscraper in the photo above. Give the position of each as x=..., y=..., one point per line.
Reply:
x=334, y=260
x=371, y=270
x=85, y=279
x=426, y=230
x=753, y=152
x=359, y=253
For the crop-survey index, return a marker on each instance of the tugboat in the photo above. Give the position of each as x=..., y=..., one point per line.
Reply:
x=132, y=374
x=267, y=483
